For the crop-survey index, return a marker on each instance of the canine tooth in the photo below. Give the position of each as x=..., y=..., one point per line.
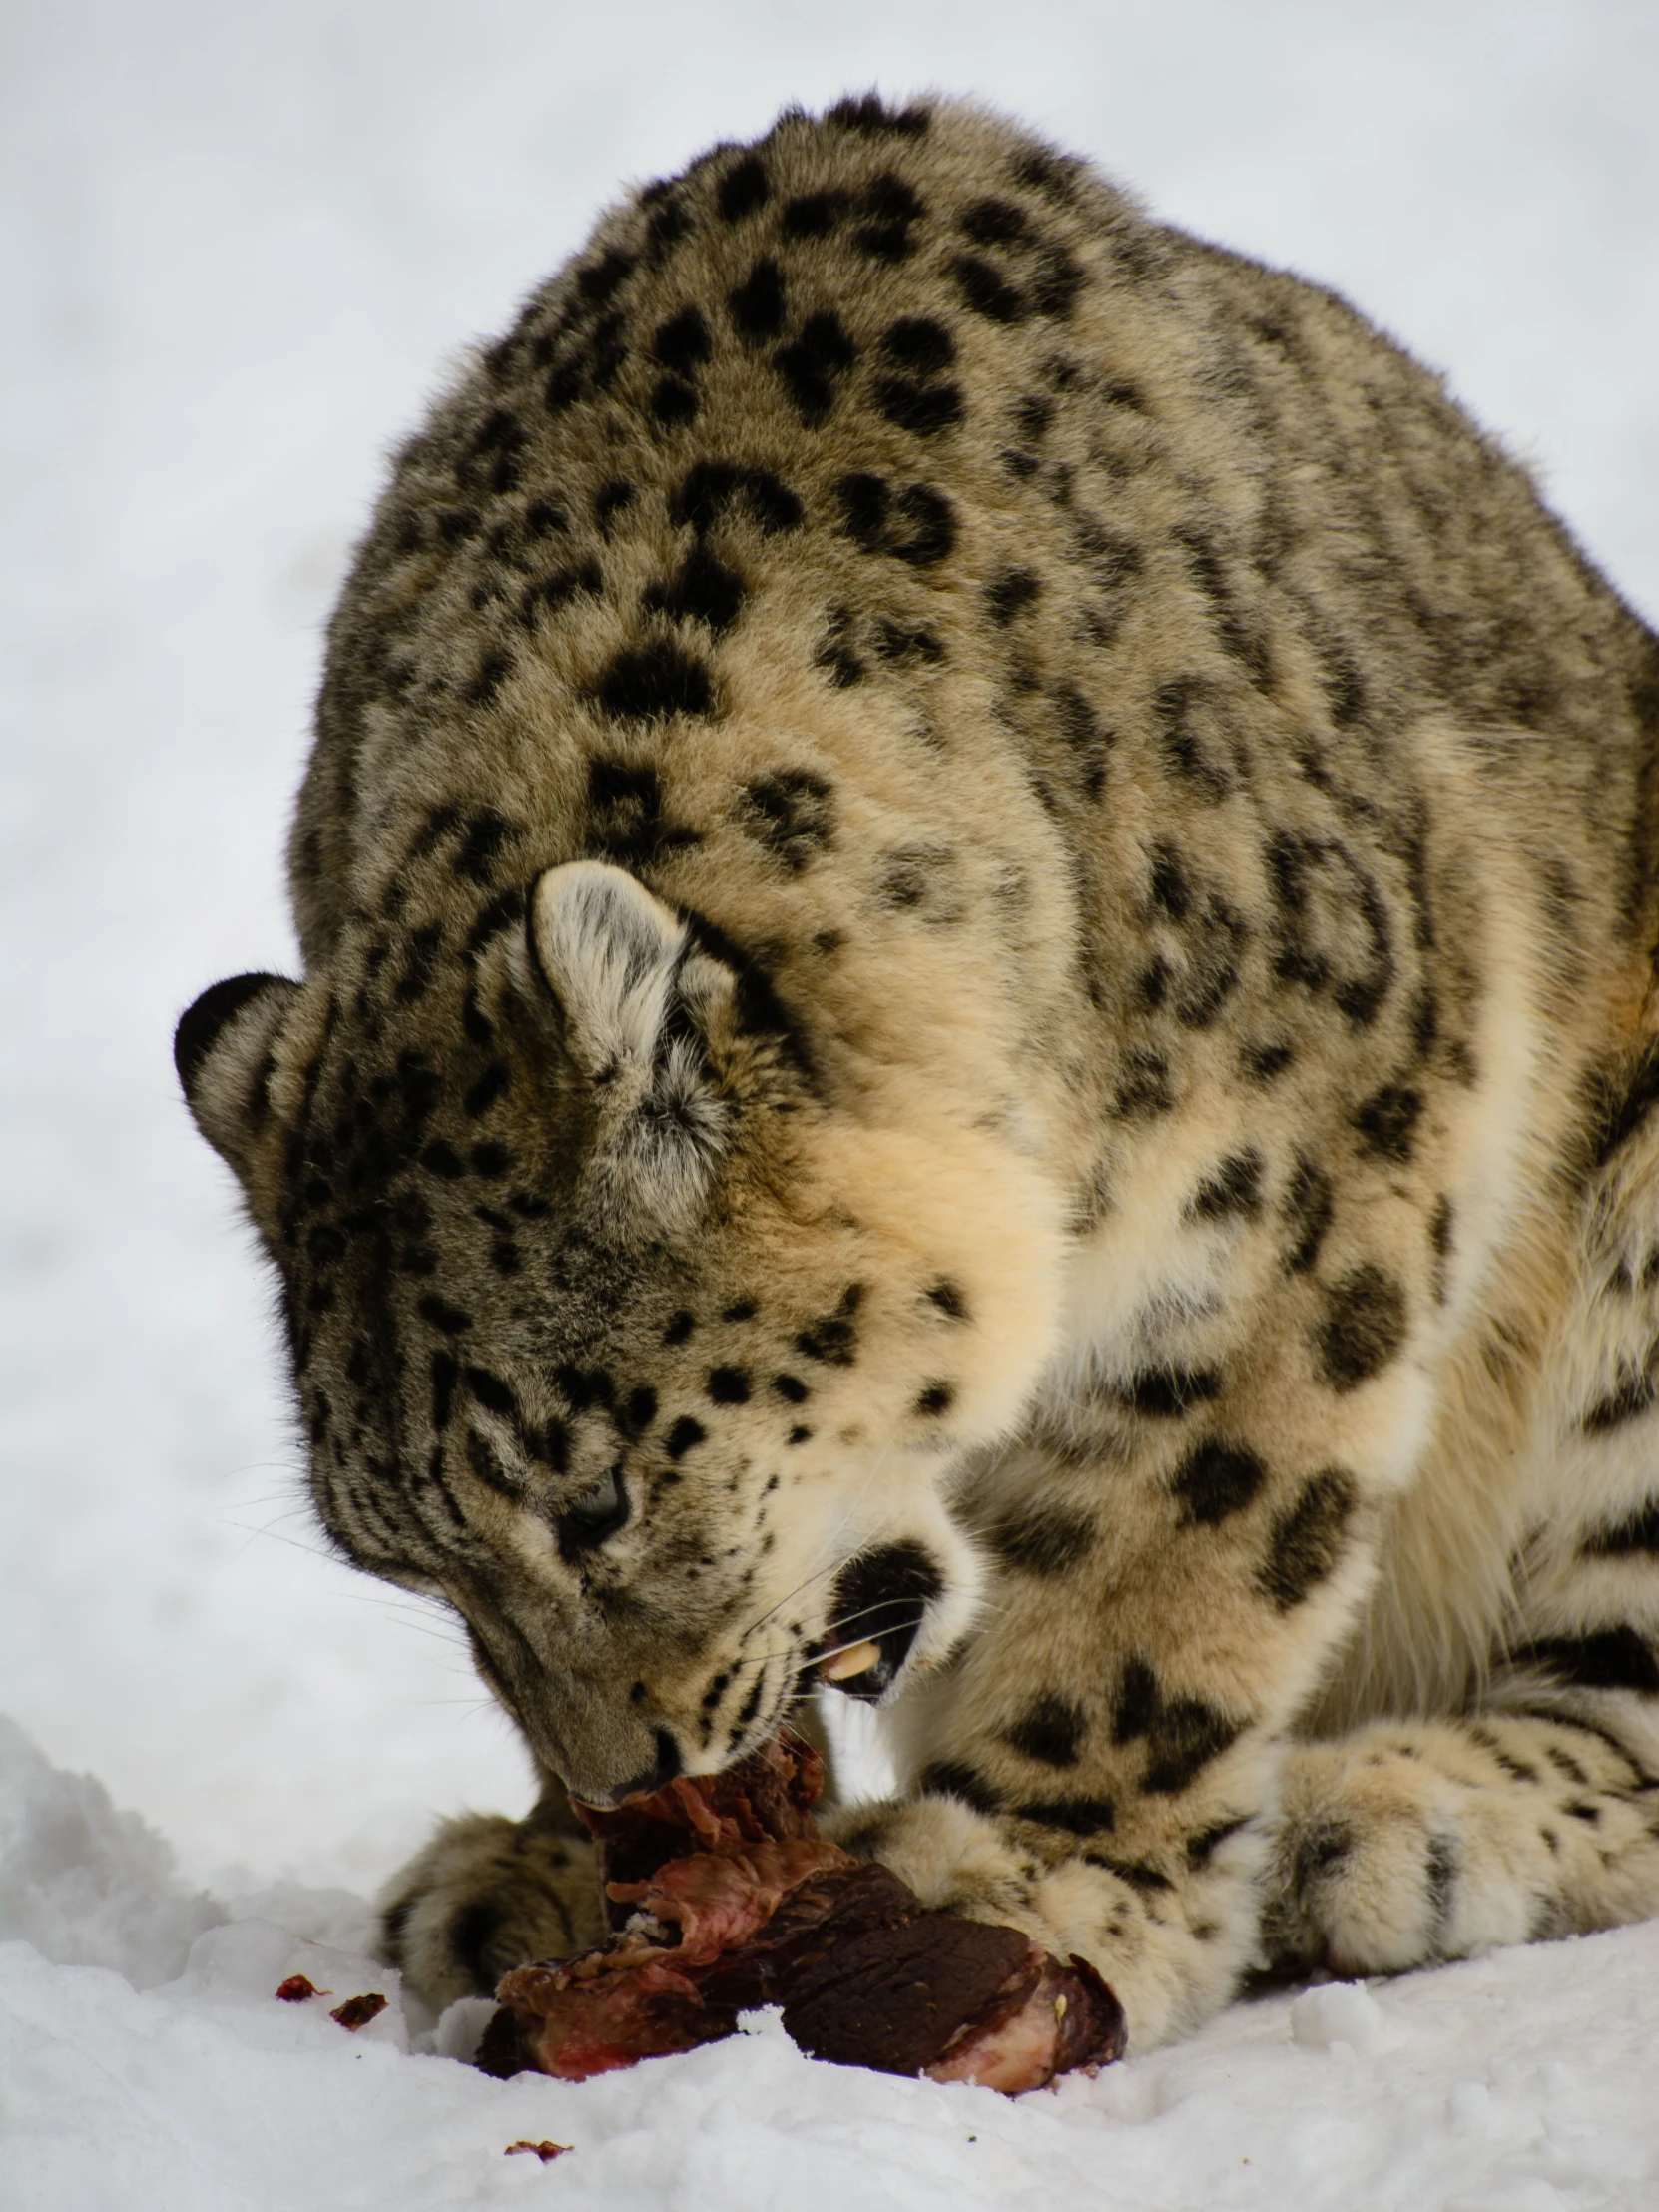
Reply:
x=855, y=1659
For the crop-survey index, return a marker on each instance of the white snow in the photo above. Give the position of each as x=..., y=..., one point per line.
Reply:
x=1517, y=2084
x=240, y=242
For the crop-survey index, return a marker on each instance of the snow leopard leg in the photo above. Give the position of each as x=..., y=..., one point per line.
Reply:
x=488, y=1893
x=1536, y=1813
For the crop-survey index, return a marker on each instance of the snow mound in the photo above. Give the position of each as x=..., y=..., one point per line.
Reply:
x=147, y=2061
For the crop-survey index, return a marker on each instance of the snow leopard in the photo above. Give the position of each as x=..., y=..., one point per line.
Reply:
x=977, y=899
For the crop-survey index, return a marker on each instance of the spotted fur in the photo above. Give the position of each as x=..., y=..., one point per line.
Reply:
x=977, y=896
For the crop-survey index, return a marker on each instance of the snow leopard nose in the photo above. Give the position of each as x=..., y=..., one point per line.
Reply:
x=668, y=1764
x=881, y=1599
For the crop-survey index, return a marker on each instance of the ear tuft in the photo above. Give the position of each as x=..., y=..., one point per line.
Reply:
x=632, y=993
x=607, y=951
x=200, y=1023
x=219, y=1049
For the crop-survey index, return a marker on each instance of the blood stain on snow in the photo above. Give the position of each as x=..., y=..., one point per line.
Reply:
x=356, y=2013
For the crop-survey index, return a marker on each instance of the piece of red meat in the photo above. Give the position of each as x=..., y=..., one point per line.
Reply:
x=761, y=1912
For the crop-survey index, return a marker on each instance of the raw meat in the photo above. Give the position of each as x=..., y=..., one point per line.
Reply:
x=765, y=1913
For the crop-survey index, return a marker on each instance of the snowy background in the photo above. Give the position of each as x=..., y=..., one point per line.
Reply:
x=242, y=238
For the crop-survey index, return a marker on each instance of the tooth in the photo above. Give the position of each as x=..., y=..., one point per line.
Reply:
x=855, y=1659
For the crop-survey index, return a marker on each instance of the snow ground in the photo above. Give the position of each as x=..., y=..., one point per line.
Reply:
x=240, y=243
x=1516, y=2083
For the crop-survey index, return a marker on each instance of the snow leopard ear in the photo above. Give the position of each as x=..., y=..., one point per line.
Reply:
x=633, y=992
x=224, y=1051
x=608, y=952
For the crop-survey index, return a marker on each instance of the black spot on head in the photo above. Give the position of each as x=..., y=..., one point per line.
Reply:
x=585, y=1387
x=792, y=813
x=486, y=834
x=702, y=589
x=710, y=487
x=445, y=1374
x=1235, y=1188
x=757, y=304
x=673, y=400
x=651, y=681
x=683, y=1435
x=927, y=526
x=1053, y=175
x=760, y=1011
x=625, y=814
x=1216, y=1480
x=813, y=215
x=558, y=589
x=1440, y=1243
x=420, y=964
x=682, y=343
x=1363, y=1328
x=490, y=1391
x=987, y=291
x=492, y=671
x=491, y=1086
x=812, y=365
x=742, y=188
x=870, y=118
x=601, y=278
x=1042, y=1542
x=615, y=494
x=639, y=1410
x=1050, y=1730
x=922, y=409
x=993, y=221
x=669, y=224
x=790, y=1388
x=918, y=344
x=1306, y=1540
x=680, y=1328
x=438, y=1310
x=1386, y=1119
x=936, y=1398
x=948, y=1299
x=1009, y=593
x=890, y=198
x=865, y=501
x=491, y=1159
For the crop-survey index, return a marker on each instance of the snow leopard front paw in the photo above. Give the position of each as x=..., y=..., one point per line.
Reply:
x=487, y=1894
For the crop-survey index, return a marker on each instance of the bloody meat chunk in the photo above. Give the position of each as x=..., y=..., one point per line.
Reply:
x=760, y=1912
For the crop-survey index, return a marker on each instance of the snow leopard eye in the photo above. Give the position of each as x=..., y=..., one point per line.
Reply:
x=595, y=1515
